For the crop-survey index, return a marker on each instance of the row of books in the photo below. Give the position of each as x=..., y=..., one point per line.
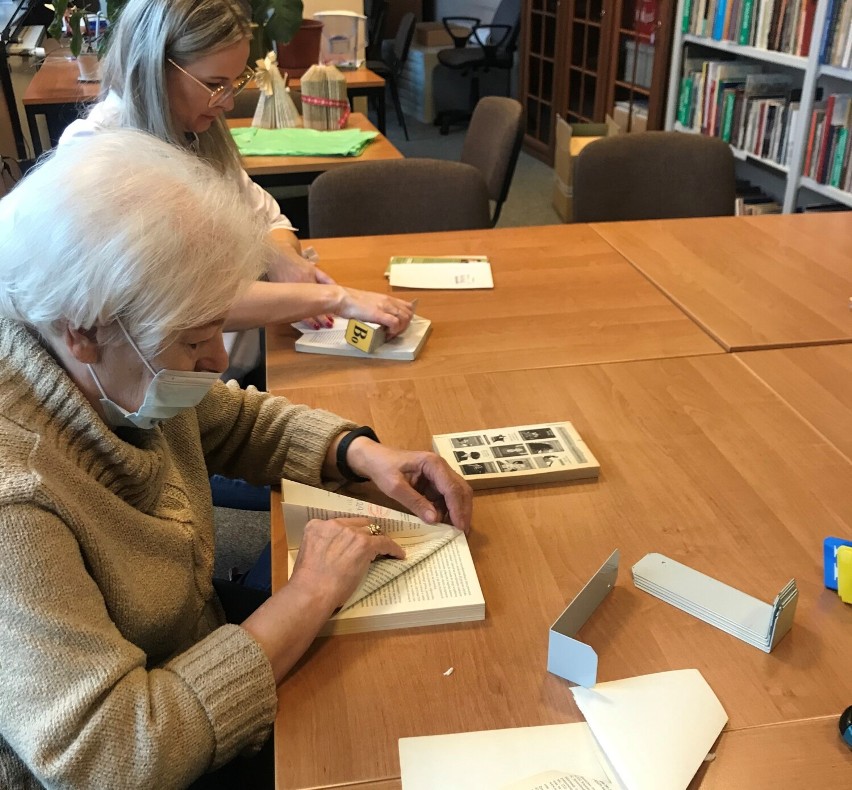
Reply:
x=751, y=200
x=828, y=148
x=836, y=42
x=780, y=25
x=742, y=104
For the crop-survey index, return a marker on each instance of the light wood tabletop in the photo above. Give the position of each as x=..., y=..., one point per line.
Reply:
x=751, y=282
x=56, y=82
x=356, y=79
x=796, y=755
x=700, y=461
x=816, y=381
x=562, y=296
x=378, y=149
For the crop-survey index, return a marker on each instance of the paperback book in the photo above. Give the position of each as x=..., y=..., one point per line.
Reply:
x=405, y=346
x=435, y=584
x=449, y=272
x=540, y=453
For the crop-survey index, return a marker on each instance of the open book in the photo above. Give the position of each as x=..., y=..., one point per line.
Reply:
x=405, y=346
x=436, y=582
x=540, y=453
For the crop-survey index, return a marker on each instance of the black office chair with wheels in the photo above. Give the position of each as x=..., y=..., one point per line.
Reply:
x=484, y=47
x=654, y=175
x=398, y=196
x=492, y=145
x=393, y=60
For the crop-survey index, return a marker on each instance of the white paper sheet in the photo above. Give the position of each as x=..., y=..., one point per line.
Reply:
x=655, y=729
x=495, y=758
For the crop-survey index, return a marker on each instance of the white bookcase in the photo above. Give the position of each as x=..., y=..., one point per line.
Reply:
x=786, y=184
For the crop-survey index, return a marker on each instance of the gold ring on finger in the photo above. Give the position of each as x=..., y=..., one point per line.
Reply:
x=375, y=529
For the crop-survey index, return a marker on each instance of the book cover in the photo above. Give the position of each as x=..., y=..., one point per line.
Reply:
x=435, y=584
x=747, y=19
x=405, y=347
x=539, y=453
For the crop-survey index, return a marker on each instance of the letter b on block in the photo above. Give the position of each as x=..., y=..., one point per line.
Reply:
x=364, y=336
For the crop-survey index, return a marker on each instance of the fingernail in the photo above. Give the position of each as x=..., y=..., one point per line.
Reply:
x=316, y=325
x=430, y=515
x=329, y=323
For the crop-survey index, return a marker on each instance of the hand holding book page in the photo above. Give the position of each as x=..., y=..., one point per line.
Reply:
x=422, y=543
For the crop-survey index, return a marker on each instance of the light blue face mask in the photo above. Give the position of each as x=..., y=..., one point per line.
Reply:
x=169, y=393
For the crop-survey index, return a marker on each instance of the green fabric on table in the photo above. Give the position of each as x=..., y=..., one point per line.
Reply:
x=300, y=142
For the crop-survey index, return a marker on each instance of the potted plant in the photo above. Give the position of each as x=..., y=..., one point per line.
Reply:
x=86, y=43
x=277, y=22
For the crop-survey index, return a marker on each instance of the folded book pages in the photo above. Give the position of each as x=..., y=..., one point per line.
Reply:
x=406, y=346
x=436, y=583
x=275, y=107
x=324, y=99
x=760, y=624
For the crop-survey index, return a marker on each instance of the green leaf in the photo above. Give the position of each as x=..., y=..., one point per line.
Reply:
x=55, y=28
x=285, y=20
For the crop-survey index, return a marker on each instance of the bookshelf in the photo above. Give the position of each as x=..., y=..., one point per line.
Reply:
x=775, y=160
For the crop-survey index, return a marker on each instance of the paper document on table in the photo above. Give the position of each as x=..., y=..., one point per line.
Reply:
x=655, y=730
x=558, y=780
x=435, y=583
x=496, y=759
x=447, y=275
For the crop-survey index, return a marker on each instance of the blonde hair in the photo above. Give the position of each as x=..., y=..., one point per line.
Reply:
x=147, y=34
x=158, y=238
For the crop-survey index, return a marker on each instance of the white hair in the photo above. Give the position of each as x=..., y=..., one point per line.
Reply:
x=121, y=224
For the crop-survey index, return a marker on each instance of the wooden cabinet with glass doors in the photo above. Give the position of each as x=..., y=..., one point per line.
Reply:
x=585, y=59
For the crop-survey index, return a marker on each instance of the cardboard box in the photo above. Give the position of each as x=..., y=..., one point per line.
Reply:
x=638, y=118
x=434, y=34
x=570, y=140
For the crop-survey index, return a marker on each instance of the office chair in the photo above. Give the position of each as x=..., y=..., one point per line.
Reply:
x=492, y=144
x=653, y=175
x=375, y=11
x=484, y=47
x=393, y=60
x=398, y=196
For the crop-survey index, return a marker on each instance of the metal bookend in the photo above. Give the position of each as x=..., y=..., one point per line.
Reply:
x=568, y=657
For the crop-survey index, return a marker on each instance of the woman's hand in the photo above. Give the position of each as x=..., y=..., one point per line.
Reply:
x=392, y=313
x=335, y=555
x=332, y=561
x=421, y=481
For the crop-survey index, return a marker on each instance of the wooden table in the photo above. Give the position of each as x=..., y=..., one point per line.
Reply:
x=278, y=170
x=56, y=93
x=796, y=755
x=751, y=282
x=700, y=461
x=816, y=382
x=562, y=296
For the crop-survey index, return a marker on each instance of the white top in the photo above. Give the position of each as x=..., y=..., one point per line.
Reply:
x=243, y=347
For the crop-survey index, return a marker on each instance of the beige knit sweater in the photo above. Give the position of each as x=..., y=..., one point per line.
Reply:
x=116, y=667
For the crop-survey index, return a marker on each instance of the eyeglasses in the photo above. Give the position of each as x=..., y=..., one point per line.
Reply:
x=220, y=95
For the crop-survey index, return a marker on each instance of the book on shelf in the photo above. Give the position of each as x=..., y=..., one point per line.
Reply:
x=538, y=453
x=406, y=346
x=827, y=153
x=435, y=584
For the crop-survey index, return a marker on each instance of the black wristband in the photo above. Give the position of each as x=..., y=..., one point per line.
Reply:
x=343, y=448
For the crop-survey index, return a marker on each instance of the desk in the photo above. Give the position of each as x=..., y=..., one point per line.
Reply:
x=751, y=282
x=816, y=382
x=699, y=461
x=562, y=296
x=278, y=170
x=56, y=93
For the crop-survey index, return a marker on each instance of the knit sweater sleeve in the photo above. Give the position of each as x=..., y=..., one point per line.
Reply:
x=261, y=437
x=79, y=705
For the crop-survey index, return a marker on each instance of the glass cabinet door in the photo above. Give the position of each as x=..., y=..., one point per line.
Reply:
x=586, y=62
x=541, y=84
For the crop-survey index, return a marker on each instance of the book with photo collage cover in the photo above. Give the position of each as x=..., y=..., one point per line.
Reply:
x=495, y=457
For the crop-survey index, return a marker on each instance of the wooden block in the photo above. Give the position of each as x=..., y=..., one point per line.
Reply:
x=365, y=336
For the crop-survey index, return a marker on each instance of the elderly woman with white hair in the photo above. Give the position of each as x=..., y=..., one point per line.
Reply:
x=117, y=665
